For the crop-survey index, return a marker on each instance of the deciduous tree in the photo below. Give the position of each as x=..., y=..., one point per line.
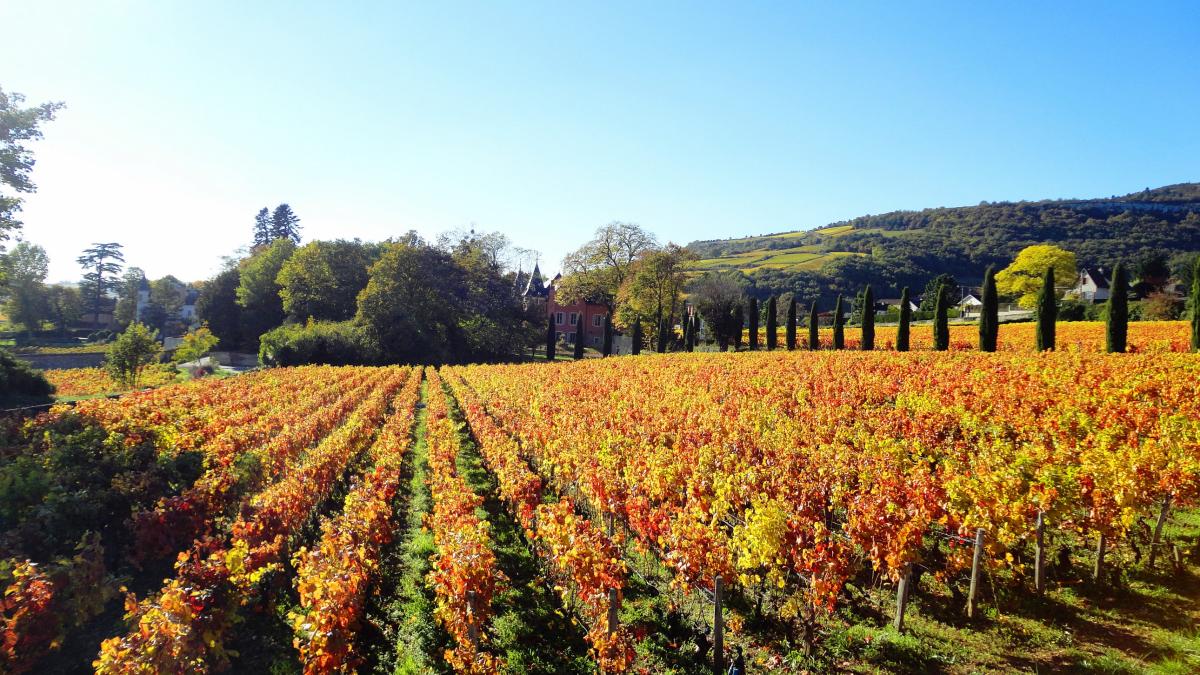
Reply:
x=717, y=297
x=18, y=125
x=25, y=269
x=1023, y=278
x=128, y=355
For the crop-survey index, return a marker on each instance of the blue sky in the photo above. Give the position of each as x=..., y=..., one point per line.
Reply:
x=546, y=120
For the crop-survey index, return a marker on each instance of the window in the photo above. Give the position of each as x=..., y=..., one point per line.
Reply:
x=596, y=320
x=558, y=318
x=574, y=318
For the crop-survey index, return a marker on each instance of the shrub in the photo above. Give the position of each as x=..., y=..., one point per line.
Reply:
x=336, y=343
x=19, y=382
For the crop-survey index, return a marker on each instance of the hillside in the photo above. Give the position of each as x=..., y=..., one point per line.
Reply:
x=907, y=247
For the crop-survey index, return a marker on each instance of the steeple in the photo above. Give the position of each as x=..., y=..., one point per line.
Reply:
x=537, y=285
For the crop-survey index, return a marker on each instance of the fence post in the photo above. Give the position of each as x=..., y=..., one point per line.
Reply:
x=718, y=629
x=1099, y=568
x=902, y=598
x=1162, y=519
x=1039, y=555
x=975, y=564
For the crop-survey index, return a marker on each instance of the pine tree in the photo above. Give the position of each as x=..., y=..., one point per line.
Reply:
x=636, y=347
x=941, y=320
x=551, y=339
x=839, y=331
x=902, y=331
x=1196, y=306
x=579, y=338
x=772, y=324
x=753, y=312
x=1047, y=312
x=989, y=313
x=1117, y=326
x=262, y=227
x=791, y=324
x=285, y=224
x=814, y=331
x=868, y=320
x=606, y=345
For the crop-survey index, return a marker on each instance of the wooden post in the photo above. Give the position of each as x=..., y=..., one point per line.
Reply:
x=902, y=599
x=718, y=629
x=1162, y=519
x=1039, y=556
x=472, y=625
x=1099, y=568
x=975, y=565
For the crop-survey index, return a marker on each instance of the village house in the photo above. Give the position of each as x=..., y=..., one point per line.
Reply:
x=580, y=318
x=1092, y=285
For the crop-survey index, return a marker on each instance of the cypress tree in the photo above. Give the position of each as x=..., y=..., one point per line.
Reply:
x=839, y=331
x=941, y=320
x=753, y=312
x=606, y=346
x=791, y=324
x=1047, y=313
x=814, y=332
x=989, y=313
x=1117, y=327
x=739, y=318
x=551, y=339
x=636, y=347
x=772, y=325
x=579, y=338
x=695, y=329
x=661, y=346
x=688, y=336
x=1196, y=306
x=868, y=320
x=905, y=319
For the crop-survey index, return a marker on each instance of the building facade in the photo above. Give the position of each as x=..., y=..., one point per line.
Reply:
x=583, y=319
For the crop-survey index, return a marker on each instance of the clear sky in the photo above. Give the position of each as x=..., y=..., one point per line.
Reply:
x=545, y=121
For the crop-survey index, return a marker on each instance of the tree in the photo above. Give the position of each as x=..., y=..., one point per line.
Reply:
x=752, y=310
x=663, y=331
x=1153, y=270
x=1196, y=306
x=128, y=289
x=1023, y=277
x=717, y=297
x=578, y=351
x=945, y=283
x=772, y=323
x=598, y=269
x=653, y=285
x=285, y=224
x=1047, y=312
x=989, y=313
x=791, y=324
x=1117, y=326
x=128, y=355
x=868, y=320
x=636, y=342
x=689, y=337
x=17, y=126
x=904, y=326
x=941, y=321
x=262, y=228
x=606, y=344
x=551, y=339
x=25, y=269
x=169, y=294
x=739, y=320
x=814, y=331
x=195, y=345
x=839, y=331
x=322, y=279
x=101, y=262
x=64, y=306
x=218, y=308
x=258, y=289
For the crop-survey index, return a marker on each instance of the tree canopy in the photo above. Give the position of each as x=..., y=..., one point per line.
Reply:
x=322, y=279
x=1024, y=277
x=18, y=125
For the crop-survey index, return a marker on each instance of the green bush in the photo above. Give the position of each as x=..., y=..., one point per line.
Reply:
x=337, y=343
x=19, y=383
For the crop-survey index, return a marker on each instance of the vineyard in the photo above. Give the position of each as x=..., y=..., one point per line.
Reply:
x=862, y=512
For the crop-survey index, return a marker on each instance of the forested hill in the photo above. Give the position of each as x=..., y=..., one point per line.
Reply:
x=907, y=247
